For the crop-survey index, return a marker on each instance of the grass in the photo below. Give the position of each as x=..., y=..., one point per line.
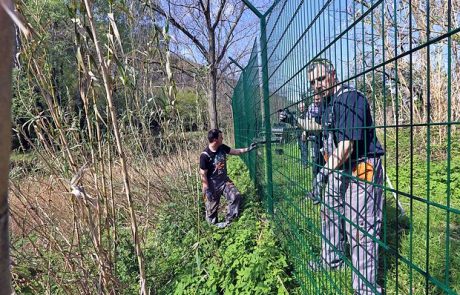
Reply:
x=426, y=238
x=432, y=240
x=21, y=162
x=244, y=258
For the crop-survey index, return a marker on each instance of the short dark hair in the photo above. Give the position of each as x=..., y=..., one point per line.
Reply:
x=213, y=134
x=321, y=61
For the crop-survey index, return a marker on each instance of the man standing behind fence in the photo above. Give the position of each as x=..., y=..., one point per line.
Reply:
x=214, y=178
x=354, y=176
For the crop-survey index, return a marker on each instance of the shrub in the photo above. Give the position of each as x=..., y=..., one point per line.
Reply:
x=184, y=255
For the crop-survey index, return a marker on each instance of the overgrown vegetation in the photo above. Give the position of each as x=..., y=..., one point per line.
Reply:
x=104, y=190
x=188, y=256
x=183, y=254
x=104, y=114
x=425, y=226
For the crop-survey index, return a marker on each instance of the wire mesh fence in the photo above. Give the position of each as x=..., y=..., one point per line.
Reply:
x=357, y=107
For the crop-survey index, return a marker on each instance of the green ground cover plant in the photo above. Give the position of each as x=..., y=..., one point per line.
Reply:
x=187, y=256
x=297, y=221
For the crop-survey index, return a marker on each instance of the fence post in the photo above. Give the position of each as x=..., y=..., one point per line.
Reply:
x=247, y=141
x=265, y=97
x=237, y=141
x=233, y=116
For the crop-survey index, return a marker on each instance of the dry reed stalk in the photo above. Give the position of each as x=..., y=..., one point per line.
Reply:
x=81, y=213
x=82, y=230
x=114, y=119
x=38, y=222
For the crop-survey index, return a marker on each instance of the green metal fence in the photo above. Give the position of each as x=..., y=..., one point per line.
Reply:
x=404, y=57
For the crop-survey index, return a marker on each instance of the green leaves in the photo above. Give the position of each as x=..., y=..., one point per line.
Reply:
x=243, y=259
x=185, y=255
x=415, y=237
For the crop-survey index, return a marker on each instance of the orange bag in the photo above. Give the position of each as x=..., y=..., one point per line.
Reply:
x=364, y=171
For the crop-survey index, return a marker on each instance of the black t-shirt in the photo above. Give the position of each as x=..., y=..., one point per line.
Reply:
x=215, y=163
x=352, y=120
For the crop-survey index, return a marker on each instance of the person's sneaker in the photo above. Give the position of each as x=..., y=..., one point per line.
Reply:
x=222, y=224
x=211, y=220
x=311, y=197
x=320, y=265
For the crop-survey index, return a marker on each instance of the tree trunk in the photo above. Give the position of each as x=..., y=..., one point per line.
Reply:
x=6, y=52
x=212, y=99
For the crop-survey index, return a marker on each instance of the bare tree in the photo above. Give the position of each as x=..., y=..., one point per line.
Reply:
x=210, y=28
x=417, y=81
x=6, y=51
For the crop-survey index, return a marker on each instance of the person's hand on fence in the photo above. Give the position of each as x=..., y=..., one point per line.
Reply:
x=252, y=146
x=287, y=117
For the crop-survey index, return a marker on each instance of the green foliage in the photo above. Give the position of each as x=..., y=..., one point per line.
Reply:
x=238, y=172
x=185, y=255
x=187, y=102
x=25, y=99
x=422, y=226
x=189, y=106
x=427, y=226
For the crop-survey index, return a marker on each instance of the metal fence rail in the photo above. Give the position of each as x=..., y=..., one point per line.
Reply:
x=404, y=58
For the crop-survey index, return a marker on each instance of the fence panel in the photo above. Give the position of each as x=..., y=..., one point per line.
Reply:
x=382, y=78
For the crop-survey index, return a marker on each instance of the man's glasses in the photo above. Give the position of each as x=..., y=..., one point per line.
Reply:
x=319, y=80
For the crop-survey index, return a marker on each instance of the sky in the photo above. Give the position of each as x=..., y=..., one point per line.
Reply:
x=246, y=31
x=299, y=31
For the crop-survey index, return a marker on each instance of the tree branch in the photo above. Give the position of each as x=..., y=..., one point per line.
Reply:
x=230, y=35
x=219, y=13
x=206, y=12
x=180, y=27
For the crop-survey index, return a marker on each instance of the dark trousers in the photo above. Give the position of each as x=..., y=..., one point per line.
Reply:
x=233, y=197
x=316, y=158
x=303, y=146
